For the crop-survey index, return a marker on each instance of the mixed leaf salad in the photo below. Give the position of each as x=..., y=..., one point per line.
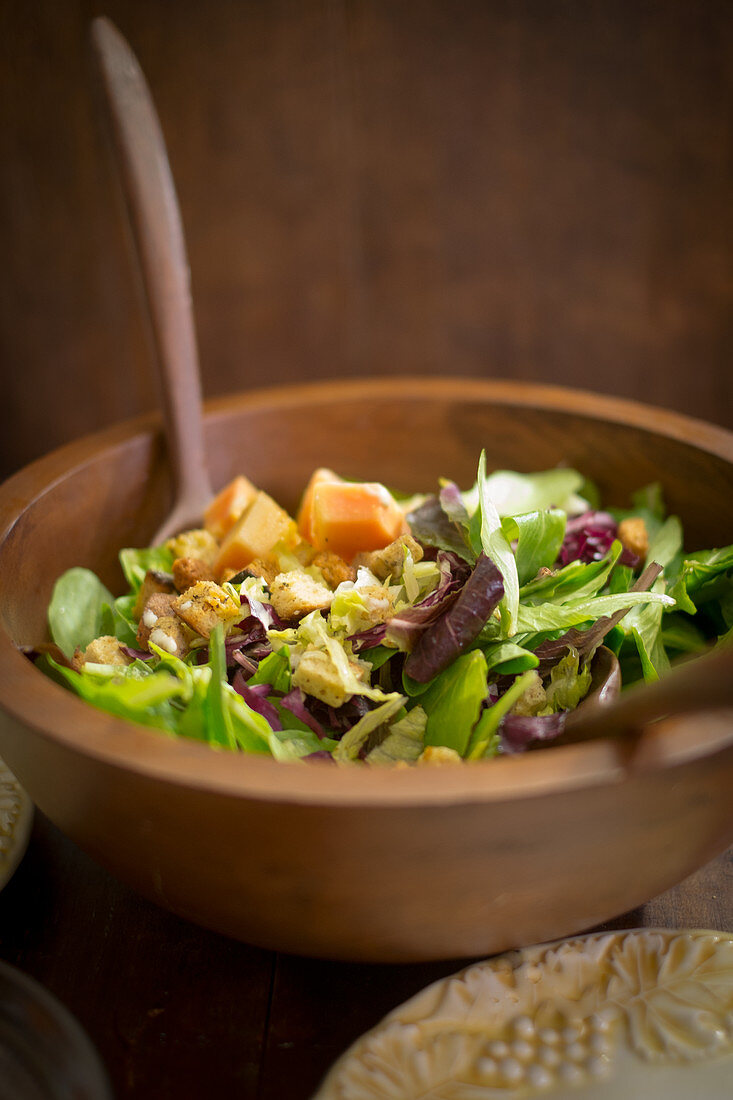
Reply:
x=387, y=629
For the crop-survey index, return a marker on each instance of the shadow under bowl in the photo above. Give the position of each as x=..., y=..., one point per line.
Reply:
x=368, y=864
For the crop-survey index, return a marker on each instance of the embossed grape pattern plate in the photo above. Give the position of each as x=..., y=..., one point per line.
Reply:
x=601, y=1017
x=16, y=818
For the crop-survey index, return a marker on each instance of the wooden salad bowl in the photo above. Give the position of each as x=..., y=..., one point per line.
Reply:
x=358, y=863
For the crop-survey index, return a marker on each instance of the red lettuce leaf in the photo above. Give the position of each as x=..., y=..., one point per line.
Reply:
x=460, y=625
x=295, y=702
x=518, y=731
x=256, y=698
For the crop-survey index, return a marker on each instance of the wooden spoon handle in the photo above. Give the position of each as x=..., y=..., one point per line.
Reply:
x=705, y=683
x=158, y=235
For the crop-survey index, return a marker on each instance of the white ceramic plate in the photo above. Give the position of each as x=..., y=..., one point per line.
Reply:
x=611, y=1016
x=16, y=817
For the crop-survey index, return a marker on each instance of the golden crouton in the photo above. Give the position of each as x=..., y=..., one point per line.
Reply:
x=634, y=536
x=296, y=594
x=333, y=569
x=188, y=571
x=158, y=605
x=378, y=602
x=389, y=561
x=438, y=754
x=206, y=604
x=154, y=581
x=317, y=675
x=264, y=568
x=170, y=635
x=194, y=544
x=106, y=650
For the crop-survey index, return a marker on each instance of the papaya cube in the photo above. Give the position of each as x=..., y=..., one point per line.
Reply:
x=305, y=512
x=255, y=533
x=227, y=506
x=349, y=517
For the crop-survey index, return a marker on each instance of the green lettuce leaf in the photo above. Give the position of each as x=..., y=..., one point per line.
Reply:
x=681, y=635
x=666, y=544
x=378, y=655
x=484, y=740
x=496, y=547
x=643, y=623
x=539, y=537
x=294, y=744
x=146, y=700
x=351, y=743
x=647, y=504
x=569, y=683
x=231, y=723
x=577, y=580
x=509, y=658
x=549, y=616
x=135, y=563
x=274, y=670
x=404, y=741
x=453, y=701
x=514, y=494
x=77, y=607
x=650, y=499
x=218, y=722
x=122, y=624
x=695, y=574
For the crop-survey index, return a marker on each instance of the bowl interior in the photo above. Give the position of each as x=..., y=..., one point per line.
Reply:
x=82, y=504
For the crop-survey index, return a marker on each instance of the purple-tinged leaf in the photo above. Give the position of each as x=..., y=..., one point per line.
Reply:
x=586, y=642
x=432, y=527
x=252, y=630
x=245, y=662
x=137, y=654
x=368, y=639
x=340, y=719
x=265, y=612
x=518, y=731
x=295, y=702
x=588, y=537
x=237, y=644
x=451, y=501
x=256, y=698
x=460, y=625
x=404, y=628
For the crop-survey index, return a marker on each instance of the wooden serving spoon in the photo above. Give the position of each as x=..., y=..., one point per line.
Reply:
x=150, y=195
x=703, y=683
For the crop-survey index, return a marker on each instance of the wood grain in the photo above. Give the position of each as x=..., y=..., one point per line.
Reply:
x=160, y=250
x=445, y=186
x=484, y=860
x=160, y=998
x=177, y=1011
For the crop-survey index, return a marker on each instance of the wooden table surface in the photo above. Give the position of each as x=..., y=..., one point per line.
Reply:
x=176, y=1011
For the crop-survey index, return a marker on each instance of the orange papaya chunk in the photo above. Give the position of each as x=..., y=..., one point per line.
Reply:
x=305, y=512
x=256, y=532
x=350, y=517
x=227, y=506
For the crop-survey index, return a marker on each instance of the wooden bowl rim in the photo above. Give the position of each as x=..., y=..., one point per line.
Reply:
x=57, y=716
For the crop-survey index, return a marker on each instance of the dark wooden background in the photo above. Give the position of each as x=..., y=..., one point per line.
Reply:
x=531, y=189
x=179, y=1013
x=519, y=188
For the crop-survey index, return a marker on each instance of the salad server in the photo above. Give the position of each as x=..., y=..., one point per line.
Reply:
x=157, y=231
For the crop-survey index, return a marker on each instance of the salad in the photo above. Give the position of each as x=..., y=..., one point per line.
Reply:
x=378, y=628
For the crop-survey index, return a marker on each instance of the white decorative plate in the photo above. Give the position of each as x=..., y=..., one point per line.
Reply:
x=16, y=816
x=640, y=1015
